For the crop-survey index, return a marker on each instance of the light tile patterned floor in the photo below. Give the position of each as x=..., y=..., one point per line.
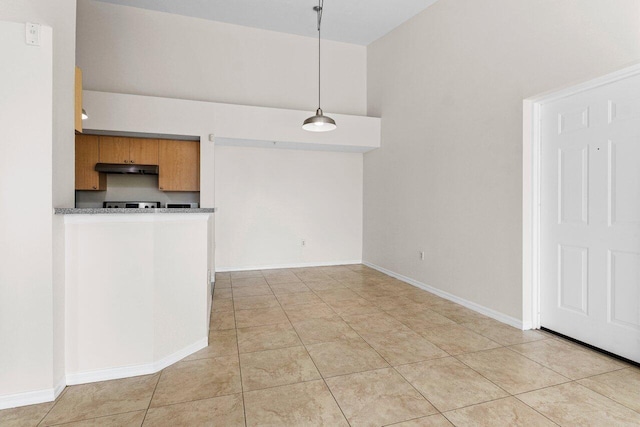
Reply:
x=347, y=345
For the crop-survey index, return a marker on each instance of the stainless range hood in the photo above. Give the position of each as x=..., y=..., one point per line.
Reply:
x=127, y=168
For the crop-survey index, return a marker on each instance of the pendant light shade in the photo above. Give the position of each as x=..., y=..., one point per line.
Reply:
x=319, y=122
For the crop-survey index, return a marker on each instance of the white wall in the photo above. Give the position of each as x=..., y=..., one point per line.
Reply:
x=135, y=51
x=449, y=86
x=339, y=170
x=123, y=187
x=26, y=289
x=270, y=199
x=163, y=116
x=129, y=50
x=61, y=16
x=58, y=183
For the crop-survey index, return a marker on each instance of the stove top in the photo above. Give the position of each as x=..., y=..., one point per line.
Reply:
x=129, y=205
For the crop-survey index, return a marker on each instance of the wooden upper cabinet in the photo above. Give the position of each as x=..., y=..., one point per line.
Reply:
x=143, y=151
x=87, y=153
x=78, y=100
x=179, y=163
x=114, y=149
x=123, y=150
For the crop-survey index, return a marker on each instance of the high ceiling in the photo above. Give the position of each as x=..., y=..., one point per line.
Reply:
x=350, y=21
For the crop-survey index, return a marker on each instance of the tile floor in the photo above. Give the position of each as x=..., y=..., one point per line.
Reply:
x=347, y=345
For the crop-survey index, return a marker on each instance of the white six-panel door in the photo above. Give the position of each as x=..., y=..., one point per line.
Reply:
x=590, y=217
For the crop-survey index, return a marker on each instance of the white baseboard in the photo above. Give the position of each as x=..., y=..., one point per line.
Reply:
x=299, y=265
x=27, y=398
x=137, y=370
x=62, y=383
x=501, y=317
x=32, y=397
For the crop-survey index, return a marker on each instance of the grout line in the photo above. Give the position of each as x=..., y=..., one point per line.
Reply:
x=383, y=358
x=283, y=385
x=190, y=400
x=316, y=366
x=152, y=394
x=457, y=357
x=449, y=355
x=534, y=409
x=577, y=382
x=394, y=367
x=539, y=363
x=494, y=400
x=412, y=419
x=55, y=402
x=235, y=329
x=244, y=405
x=105, y=415
x=66, y=423
x=609, y=397
x=395, y=370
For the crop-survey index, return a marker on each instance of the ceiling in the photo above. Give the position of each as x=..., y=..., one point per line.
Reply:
x=350, y=21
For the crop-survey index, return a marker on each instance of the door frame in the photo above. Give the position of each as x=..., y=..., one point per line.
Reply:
x=531, y=177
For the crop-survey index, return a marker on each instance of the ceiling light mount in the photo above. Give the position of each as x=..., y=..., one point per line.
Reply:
x=319, y=122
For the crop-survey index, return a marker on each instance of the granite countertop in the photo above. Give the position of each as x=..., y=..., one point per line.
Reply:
x=102, y=211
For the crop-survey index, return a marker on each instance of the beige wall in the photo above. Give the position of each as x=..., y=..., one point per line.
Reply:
x=129, y=50
x=449, y=86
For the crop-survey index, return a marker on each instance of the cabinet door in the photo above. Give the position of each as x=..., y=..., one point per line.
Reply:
x=114, y=149
x=179, y=164
x=143, y=151
x=87, y=152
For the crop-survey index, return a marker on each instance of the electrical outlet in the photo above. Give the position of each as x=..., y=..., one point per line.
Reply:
x=33, y=34
x=421, y=255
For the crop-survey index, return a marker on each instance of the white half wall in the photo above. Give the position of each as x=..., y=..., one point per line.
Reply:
x=129, y=50
x=137, y=292
x=269, y=200
x=449, y=86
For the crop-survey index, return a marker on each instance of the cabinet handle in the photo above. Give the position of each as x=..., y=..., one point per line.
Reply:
x=132, y=161
x=94, y=187
x=162, y=188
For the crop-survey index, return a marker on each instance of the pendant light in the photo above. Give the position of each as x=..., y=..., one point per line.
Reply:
x=319, y=122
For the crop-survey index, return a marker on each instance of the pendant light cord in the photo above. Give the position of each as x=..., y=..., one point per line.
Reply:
x=320, y=6
x=319, y=122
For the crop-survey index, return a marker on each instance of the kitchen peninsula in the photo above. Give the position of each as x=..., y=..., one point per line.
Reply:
x=137, y=280
x=138, y=290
